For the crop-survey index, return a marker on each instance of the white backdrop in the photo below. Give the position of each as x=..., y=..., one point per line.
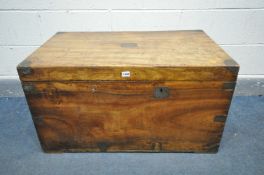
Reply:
x=236, y=25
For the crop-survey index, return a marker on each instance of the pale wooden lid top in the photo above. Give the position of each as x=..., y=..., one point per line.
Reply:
x=174, y=55
x=131, y=49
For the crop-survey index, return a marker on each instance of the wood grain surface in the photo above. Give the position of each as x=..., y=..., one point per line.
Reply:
x=114, y=116
x=140, y=74
x=175, y=99
x=171, y=55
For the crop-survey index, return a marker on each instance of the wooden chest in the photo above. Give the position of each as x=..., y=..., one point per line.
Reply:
x=129, y=91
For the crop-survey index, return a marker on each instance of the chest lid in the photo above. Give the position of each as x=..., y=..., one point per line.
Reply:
x=171, y=55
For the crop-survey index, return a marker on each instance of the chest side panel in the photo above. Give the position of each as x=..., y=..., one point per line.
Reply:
x=132, y=116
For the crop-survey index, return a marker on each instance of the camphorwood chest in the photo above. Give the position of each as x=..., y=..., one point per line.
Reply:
x=129, y=91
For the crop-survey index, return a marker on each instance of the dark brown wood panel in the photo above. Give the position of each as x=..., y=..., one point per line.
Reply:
x=137, y=73
x=118, y=116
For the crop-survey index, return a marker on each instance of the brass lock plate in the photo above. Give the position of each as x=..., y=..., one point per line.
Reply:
x=161, y=92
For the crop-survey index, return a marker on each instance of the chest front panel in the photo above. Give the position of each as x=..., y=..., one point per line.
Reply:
x=150, y=116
